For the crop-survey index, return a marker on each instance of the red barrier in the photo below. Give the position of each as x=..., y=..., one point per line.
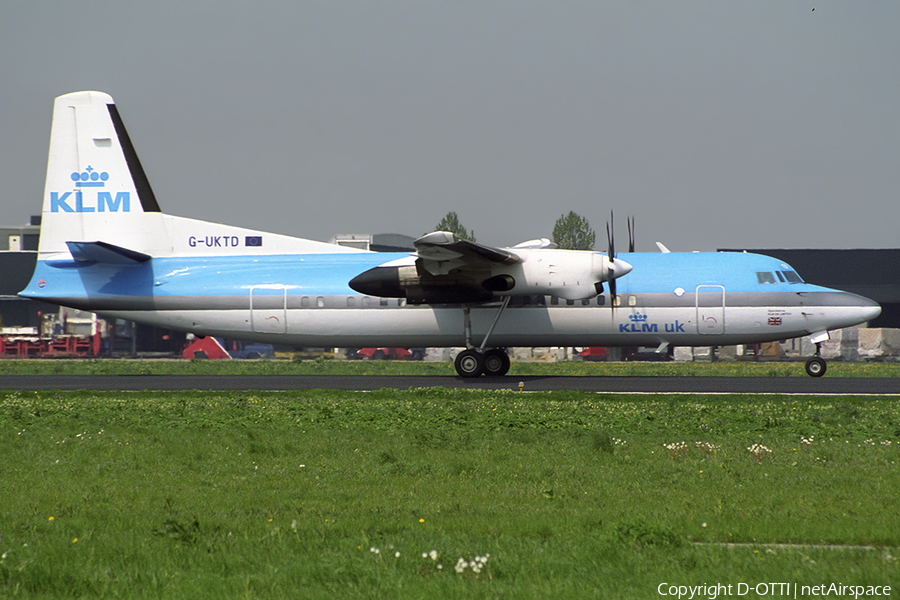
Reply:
x=206, y=347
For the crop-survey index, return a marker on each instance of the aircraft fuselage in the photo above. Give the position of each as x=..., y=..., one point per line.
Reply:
x=695, y=299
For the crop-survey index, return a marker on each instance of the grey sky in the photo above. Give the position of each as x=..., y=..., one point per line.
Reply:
x=761, y=123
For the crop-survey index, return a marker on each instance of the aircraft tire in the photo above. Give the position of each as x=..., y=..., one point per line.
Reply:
x=469, y=363
x=816, y=367
x=496, y=362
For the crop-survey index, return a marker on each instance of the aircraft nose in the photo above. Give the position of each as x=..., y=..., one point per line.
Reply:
x=844, y=309
x=869, y=309
x=859, y=308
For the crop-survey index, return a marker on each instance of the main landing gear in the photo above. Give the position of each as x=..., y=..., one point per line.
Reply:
x=473, y=361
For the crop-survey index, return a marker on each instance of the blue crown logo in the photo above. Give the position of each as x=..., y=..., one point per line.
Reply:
x=90, y=178
x=637, y=318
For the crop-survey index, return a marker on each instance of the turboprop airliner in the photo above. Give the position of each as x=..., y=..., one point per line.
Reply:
x=106, y=247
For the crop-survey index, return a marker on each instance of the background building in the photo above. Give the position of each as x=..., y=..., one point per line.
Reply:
x=376, y=242
x=18, y=254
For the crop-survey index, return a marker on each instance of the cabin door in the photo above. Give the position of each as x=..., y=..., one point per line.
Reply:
x=710, y=309
x=268, y=308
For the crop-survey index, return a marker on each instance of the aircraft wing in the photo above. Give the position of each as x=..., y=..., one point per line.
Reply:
x=441, y=252
x=447, y=270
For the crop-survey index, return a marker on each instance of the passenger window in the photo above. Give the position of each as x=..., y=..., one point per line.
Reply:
x=632, y=300
x=320, y=302
x=304, y=302
x=764, y=277
x=351, y=301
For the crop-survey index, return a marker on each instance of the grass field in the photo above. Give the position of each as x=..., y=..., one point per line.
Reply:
x=438, y=493
x=392, y=367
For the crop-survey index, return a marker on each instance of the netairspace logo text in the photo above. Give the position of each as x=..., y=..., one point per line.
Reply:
x=785, y=590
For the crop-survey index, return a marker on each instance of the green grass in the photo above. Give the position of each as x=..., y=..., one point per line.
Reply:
x=338, y=494
x=387, y=367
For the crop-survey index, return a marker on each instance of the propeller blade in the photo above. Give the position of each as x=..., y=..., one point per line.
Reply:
x=611, y=272
x=610, y=238
x=631, y=234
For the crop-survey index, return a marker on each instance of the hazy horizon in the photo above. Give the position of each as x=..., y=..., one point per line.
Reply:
x=743, y=125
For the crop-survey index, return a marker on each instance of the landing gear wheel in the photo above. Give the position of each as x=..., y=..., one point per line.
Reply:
x=815, y=367
x=469, y=363
x=496, y=362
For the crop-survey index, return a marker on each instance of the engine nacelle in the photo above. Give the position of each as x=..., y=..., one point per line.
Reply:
x=569, y=274
x=420, y=287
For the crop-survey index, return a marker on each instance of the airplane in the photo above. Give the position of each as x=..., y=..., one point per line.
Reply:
x=107, y=247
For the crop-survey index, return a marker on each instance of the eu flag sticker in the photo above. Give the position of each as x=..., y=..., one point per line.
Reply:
x=253, y=240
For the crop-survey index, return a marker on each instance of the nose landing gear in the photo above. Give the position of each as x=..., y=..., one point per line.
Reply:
x=816, y=366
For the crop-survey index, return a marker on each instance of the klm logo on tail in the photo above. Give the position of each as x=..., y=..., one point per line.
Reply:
x=90, y=178
x=104, y=201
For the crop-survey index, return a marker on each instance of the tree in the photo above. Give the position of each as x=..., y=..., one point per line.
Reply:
x=572, y=232
x=451, y=223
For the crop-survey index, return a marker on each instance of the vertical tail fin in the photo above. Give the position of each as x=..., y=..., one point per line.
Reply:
x=99, y=206
x=95, y=187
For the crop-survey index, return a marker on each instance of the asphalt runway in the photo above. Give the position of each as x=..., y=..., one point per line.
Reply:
x=635, y=385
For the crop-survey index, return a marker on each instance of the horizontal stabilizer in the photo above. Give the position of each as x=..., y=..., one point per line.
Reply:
x=102, y=252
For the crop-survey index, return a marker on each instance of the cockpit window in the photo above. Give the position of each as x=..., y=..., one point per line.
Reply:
x=783, y=277
x=792, y=277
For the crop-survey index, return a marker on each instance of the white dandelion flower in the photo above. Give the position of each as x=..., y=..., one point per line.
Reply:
x=461, y=565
